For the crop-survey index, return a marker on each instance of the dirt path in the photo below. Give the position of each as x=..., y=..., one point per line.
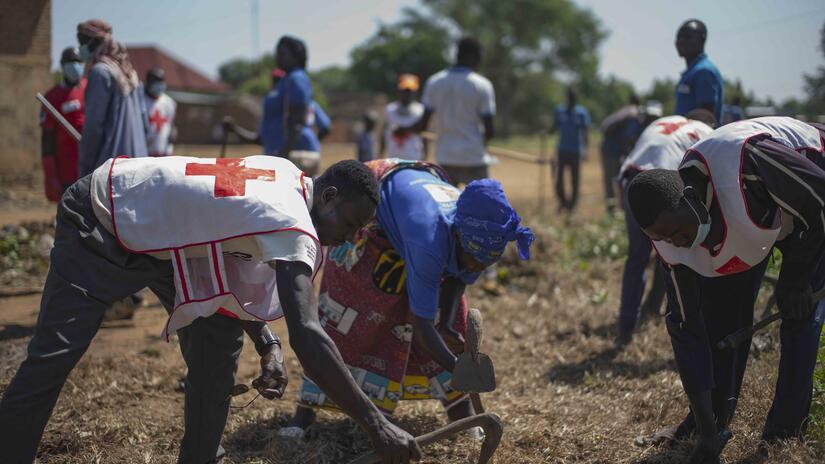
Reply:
x=564, y=394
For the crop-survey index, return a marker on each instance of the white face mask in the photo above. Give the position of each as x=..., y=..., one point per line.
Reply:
x=72, y=71
x=704, y=227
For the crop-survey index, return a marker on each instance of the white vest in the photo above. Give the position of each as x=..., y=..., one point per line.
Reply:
x=745, y=244
x=664, y=142
x=175, y=203
x=410, y=146
x=160, y=117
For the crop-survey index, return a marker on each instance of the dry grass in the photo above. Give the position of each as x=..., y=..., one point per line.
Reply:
x=564, y=394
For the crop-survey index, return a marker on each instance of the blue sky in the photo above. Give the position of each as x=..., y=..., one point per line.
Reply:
x=768, y=44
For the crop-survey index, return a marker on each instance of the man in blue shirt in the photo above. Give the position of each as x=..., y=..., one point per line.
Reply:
x=619, y=133
x=393, y=302
x=572, y=122
x=701, y=85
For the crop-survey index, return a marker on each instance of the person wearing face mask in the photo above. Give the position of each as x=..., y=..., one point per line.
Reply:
x=747, y=187
x=393, y=299
x=660, y=146
x=114, y=123
x=59, y=150
x=160, y=111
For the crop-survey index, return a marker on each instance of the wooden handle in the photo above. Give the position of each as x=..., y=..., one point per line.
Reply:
x=473, y=337
x=489, y=422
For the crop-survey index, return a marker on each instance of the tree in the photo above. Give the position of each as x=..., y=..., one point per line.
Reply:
x=815, y=84
x=525, y=36
x=416, y=45
x=240, y=70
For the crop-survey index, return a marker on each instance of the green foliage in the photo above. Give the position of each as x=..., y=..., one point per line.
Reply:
x=417, y=44
x=239, y=72
x=605, y=239
x=816, y=428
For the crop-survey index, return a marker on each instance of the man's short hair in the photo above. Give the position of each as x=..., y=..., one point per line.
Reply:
x=696, y=25
x=653, y=192
x=350, y=177
x=702, y=115
x=156, y=74
x=469, y=48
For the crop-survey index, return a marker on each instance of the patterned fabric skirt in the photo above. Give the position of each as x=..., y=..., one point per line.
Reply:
x=364, y=308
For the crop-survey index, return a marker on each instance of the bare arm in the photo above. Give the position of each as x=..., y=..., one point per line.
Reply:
x=489, y=129
x=248, y=136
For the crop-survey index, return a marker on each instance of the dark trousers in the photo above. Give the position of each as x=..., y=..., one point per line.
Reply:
x=611, y=164
x=88, y=272
x=728, y=306
x=567, y=161
x=634, y=277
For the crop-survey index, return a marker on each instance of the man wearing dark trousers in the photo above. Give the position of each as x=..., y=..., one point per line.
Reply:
x=282, y=218
x=572, y=122
x=747, y=187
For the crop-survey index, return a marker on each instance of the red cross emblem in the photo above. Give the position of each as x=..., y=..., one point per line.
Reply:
x=158, y=120
x=670, y=127
x=230, y=175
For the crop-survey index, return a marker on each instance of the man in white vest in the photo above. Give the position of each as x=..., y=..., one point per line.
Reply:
x=660, y=146
x=747, y=187
x=226, y=245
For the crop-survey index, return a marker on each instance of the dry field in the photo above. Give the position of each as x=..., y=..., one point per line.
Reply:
x=564, y=393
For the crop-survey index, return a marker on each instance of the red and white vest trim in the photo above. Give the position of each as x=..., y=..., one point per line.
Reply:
x=722, y=153
x=185, y=204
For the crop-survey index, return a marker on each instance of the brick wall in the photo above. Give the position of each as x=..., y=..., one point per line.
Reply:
x=25, y=58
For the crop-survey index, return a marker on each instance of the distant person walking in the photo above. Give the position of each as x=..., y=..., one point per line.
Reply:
x=619, y=133
x=286, y=126
x=365, y=140
x=571, y=122
x=701, y=84
x=115, y=124
x=403, y=112
x=463, y=102
x=160, y=110
x=58, y=149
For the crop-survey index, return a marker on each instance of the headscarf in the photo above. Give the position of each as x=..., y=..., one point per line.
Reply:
x=486, y=222
x=111, y=53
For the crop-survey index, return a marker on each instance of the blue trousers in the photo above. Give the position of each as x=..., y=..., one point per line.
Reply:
x=635, y=275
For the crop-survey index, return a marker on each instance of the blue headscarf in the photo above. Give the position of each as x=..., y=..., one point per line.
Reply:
x=486, y=222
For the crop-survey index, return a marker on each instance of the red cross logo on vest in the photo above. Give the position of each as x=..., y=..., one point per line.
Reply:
x=670, y=127
x=158, y=120
x=230, y=175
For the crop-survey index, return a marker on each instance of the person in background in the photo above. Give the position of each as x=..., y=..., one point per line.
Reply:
x=160, y=109
x=319, y=119
x=463, y=101
x=701, y=84
x=59, y=150
x=733, y=112
x=572, y=122
x=403, y=112
x=286, y=130
x=619, y=133
x=365, y=141
x=114, y=120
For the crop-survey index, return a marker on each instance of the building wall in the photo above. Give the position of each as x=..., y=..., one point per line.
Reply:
x=25, y=58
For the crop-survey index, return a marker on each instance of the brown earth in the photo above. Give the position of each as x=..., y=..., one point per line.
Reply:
x=564, y=394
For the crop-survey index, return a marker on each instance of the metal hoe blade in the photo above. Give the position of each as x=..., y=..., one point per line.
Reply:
x=489, y=422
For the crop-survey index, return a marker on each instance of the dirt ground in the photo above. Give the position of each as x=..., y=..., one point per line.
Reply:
x=565, y=395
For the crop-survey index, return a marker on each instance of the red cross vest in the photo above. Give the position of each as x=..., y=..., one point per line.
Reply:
x=745, y=243
x=181, y=205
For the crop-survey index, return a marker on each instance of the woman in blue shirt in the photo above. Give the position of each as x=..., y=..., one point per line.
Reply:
x=285, y=127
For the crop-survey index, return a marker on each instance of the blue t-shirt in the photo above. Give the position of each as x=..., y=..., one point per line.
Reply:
x=294, y=89
x=322, y=121
x=731, y=113
x=619, y=139
x=700, y=84
x=366, y=146
x=572, y=126
x=416, y=211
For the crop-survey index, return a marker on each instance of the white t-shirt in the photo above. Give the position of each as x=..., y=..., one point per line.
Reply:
x=287, y=245
x=397, y=115
x=160, y=114
x=459, y=98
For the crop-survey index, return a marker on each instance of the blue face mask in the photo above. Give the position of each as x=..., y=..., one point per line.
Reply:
x=85, y=53
x=156, y=89
x=72, y=71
